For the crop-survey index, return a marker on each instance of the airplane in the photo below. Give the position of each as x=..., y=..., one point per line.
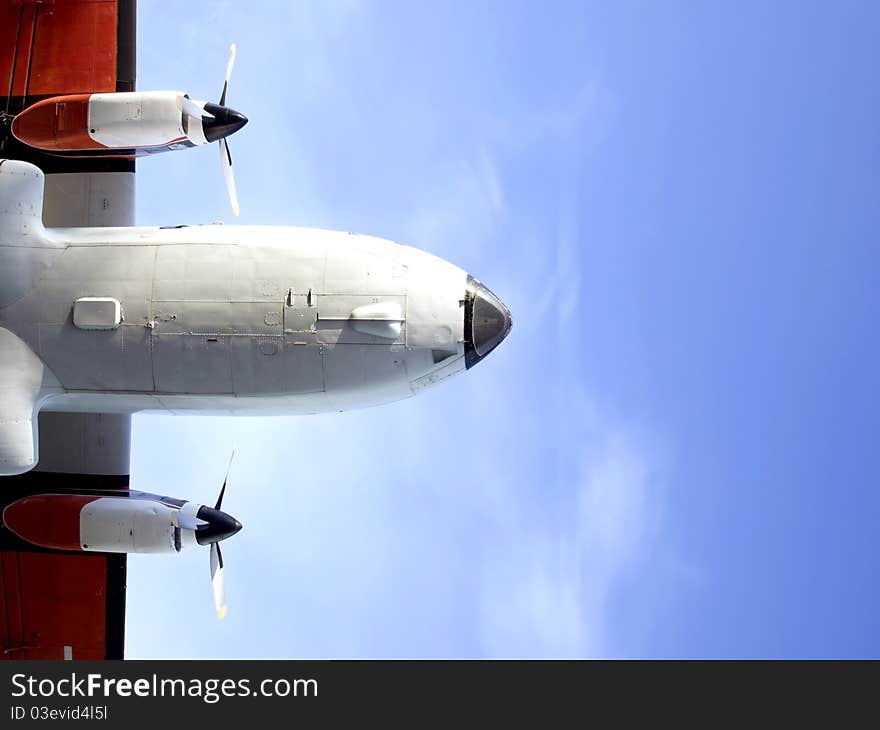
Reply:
x=100, y=319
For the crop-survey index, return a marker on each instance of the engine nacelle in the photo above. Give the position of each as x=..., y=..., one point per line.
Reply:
x=121, y=525
x=117, y=521
x=95, y=523
x=125, y=124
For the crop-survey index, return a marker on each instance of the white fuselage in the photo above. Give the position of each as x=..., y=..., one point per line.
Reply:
x=251, y=320
x=241, y=319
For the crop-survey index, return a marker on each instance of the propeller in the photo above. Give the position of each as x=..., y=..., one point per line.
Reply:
x=225, y=155
x=226, y=162
x=217, y=584
x=218, y=122
x=192, y=109
x=230, y=62
x=225, y=479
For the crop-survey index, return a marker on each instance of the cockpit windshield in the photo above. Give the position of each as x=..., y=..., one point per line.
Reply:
x=488, y=321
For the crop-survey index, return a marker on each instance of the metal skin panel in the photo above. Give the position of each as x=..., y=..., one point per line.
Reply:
x=89, y=199
x=25, y=254
x=116, y=360
x=360, y=267
x=136, y=119
x=218, y=317
x=192, y=364
x=25, y=383
x=272, y=365
x=84, y=443
x=228, y=271
x=301, y=318
x=447, y=369
x=433, y=318
x=119, y=359
x=122, y=525
x=361, y=375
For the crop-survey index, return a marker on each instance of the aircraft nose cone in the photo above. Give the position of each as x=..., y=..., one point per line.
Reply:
x=487, y=322
x=226, y=121
x=220, y=526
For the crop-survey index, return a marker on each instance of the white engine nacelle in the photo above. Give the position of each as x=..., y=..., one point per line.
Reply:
x=121, y=525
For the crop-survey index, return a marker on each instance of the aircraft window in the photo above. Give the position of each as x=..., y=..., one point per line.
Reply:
x=491, y=321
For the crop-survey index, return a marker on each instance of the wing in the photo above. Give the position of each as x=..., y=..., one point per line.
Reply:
x=62, y=605
x=67, y=605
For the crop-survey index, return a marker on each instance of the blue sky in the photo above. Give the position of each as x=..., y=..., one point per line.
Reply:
x=672, y=455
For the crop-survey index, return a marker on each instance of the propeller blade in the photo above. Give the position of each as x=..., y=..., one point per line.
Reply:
x=192, y=109
x=226, y=161
x=229, y=64
x=187, y=521
x=186, y=518
x=217, y=580
x=225, y=479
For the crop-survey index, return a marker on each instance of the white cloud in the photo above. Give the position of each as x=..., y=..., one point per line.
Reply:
x=555, y=263
x=578, y=121
x=549, y=584
x=460, y=209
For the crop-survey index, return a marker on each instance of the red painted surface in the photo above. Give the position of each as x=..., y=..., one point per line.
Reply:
x=11, y=621
x=9, y=13
x=23, y=35
x=63, y=47
x=47, y=520
x=52, y=601
x=55, y=124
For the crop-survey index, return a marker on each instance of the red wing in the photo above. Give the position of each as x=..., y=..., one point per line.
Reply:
x=61, y=605
x=65, y=47
x=55, y=605
x=59, y=47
